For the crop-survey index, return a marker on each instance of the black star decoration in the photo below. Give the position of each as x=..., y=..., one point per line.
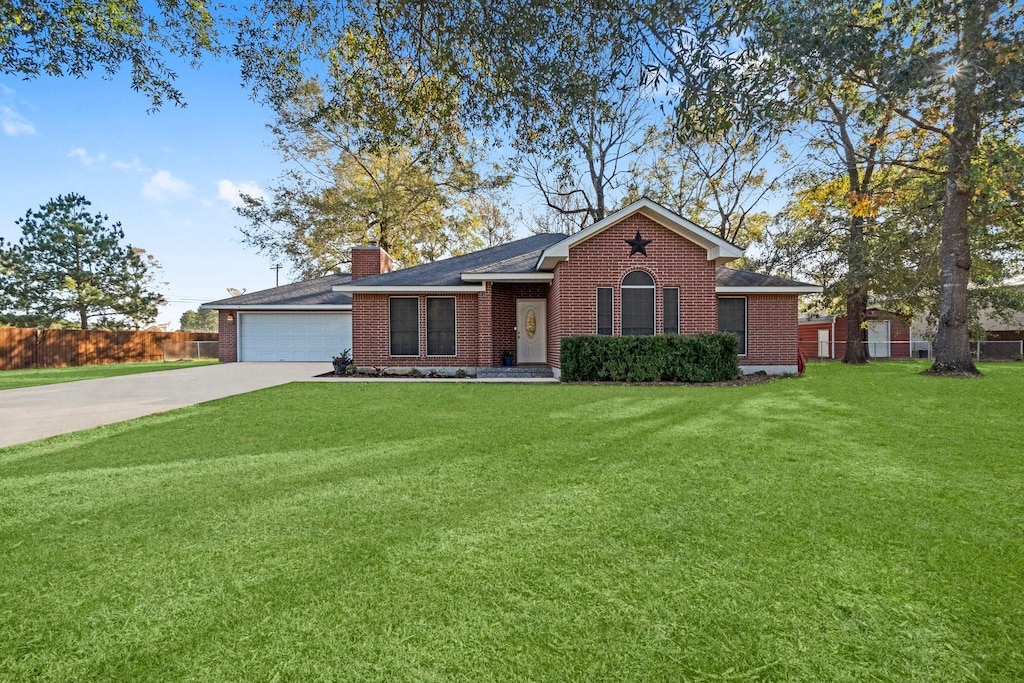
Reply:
x=638, y=245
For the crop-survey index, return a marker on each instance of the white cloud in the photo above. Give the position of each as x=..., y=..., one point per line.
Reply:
x=229, y=191
x=13, y=124
x=133, y=165
x=163, y=185
x=87, y=160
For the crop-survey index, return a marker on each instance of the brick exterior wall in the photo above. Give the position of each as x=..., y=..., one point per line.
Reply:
x=603, y=260
x=227, y=342
x=486, y=321
x=367, y=261
x=771, y=330
x=371, y=338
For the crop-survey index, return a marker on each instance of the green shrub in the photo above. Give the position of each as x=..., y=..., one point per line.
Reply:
x=670, y=358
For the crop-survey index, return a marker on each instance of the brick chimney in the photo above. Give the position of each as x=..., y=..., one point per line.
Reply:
x=367, y=261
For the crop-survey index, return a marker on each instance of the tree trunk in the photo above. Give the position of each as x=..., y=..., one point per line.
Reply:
x=83, y=316
x=856, y=295
x=952, y=341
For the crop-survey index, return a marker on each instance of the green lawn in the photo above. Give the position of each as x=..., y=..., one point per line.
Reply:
x=17, y=379
x=855, y=524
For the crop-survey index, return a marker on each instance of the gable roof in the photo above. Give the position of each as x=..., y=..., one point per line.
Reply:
x=518, y=257
x=731, y=280
x=316, y=293
x=718, y=249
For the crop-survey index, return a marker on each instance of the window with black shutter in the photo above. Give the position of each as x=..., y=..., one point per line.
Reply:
x=604, y=310
x=670, y=301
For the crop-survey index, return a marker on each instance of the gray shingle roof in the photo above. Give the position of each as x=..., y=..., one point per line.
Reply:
x=519, y=256
x=731, y=277
x=316, y=292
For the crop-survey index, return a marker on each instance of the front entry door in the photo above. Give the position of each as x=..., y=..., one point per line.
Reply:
x=531, y=330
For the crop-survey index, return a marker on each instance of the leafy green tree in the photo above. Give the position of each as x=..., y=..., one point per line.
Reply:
x=203, y=320
x=74, y=38
x=952, y=69
x=345, y=191
x=70, y=263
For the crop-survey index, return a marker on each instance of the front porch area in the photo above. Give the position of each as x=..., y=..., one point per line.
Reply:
x=519, y=324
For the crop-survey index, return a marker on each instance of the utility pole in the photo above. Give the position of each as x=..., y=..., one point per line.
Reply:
x=277, y=274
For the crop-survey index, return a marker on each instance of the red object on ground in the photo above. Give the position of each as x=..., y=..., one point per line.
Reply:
x=801, y=361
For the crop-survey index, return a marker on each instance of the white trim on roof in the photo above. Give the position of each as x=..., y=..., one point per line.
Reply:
x=508, y=277
x=279, y=307
x=408, y=289
x=754, y=289
x=718, y=250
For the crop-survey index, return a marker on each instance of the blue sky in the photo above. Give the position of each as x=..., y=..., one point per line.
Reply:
x=169, y=177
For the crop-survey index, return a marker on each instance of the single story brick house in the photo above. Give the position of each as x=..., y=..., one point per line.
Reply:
x=641, y=270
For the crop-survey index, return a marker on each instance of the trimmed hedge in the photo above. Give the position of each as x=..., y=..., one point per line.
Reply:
x=669, y=358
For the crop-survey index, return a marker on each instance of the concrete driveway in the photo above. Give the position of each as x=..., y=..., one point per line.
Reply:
x=38, y=412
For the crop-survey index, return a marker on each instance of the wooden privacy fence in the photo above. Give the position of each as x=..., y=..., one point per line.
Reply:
x=31, y=348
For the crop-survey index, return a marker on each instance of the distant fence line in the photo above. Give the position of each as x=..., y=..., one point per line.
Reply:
x=38, y=348
x=917, y=348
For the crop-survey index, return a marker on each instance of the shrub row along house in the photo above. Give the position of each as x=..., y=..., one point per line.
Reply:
x=641, y=271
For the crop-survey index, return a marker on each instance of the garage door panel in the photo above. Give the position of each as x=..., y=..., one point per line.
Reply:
x=293, y=336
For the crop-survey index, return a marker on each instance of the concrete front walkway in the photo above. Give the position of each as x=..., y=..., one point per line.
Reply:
x=38, y=412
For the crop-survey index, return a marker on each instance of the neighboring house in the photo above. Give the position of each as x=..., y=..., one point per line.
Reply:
x=642, y=270
x=1004, y=328
x=887, y=335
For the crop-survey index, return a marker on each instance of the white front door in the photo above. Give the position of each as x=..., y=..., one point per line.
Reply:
x=531, y=330
x=823, y=344
x=878, y=338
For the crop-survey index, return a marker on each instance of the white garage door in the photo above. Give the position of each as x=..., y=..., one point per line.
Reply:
x=293, y=336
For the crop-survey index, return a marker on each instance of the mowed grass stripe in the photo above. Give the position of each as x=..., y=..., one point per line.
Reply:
x=853, y=524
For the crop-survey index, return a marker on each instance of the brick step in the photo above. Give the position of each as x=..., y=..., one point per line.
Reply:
x=515, y=372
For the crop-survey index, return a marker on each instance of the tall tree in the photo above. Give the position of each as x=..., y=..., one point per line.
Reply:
x=345, y=190
x=950, y=68
x=579, y=161
x=69, y=262
x=719, y=183
x=979, y=44
x=202, y=320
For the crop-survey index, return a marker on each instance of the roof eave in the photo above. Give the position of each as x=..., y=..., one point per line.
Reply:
x=408, y=289
x=754, y=289
x=276, y=307
x=508, y=277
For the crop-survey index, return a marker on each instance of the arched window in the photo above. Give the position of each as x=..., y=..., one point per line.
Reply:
x=637, y=303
